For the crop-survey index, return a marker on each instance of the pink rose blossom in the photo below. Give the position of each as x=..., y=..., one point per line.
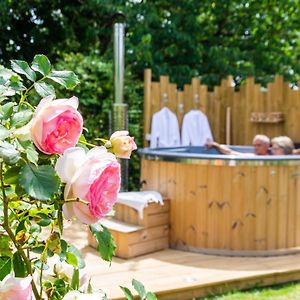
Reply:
x=56, y=125
x=12, y=288
x=93, y=177
x=122, y=144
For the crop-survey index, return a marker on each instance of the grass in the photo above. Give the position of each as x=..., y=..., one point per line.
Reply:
x=289, y=291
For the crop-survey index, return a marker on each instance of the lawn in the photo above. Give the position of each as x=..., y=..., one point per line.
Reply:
x=289, y=291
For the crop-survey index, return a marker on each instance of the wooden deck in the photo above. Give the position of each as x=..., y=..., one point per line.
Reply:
x=179, y=275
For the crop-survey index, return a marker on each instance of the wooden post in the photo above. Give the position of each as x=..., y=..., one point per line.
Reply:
x=147, y=105
x=228, y=125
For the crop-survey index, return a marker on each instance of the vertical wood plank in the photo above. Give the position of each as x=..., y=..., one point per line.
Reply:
x=272, y=208
x=147, y=105
x=249, y=209
x=282, y=207
x=202, y=206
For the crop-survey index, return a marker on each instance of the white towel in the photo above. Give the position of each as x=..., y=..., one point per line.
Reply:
x=139, y=200
x=164, y=129
x=195, y=129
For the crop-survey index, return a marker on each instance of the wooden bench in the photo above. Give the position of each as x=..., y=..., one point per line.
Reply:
x=134, y=235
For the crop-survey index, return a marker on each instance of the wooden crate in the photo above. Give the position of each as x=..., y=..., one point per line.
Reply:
x=135, y=236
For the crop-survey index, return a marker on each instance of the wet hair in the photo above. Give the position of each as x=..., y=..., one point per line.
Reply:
x=263, y=138
x=285, y=143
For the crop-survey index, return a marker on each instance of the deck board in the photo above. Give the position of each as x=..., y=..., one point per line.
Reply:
x=173, y=274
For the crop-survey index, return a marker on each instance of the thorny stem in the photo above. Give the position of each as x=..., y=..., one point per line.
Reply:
x=77, y=200
x=86, y=143
x=11, y=235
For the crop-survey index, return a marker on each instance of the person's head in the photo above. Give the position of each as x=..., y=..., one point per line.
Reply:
x=282, y=145
x=261, y=144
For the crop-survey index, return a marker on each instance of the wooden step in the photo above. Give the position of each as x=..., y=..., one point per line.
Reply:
x=133, y=240
x=154, y=214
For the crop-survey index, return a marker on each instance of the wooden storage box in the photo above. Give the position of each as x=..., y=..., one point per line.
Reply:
x=135, y=236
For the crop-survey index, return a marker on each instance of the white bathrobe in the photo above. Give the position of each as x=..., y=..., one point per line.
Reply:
x=195, y=129
x=164, y=129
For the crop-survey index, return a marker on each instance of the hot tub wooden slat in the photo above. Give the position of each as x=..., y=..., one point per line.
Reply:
x=272, y=208
x=202, y=187
x=180, y=221
x=236, y=224
x=225, y=207
x=283, y=207
x=249, y=211
x=190, y=208
x=261, y=198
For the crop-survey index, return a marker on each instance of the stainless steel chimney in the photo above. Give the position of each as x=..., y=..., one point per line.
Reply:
x=119, y=112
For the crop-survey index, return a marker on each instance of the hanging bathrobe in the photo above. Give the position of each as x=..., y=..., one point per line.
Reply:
x=195, y=129
x=164, y=129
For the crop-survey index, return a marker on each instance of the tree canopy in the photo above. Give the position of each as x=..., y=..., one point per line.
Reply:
x=185, y=38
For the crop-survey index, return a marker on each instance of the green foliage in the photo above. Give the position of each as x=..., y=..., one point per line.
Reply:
x=106, y=244
x=31, y=195
x=140, y=289
x=209, y=39
x=5, y=266
x=39, y=182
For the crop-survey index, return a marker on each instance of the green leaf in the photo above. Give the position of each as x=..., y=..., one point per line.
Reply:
x=68, y=79
x=127, y=293
x=151, y=296
x=75, y=280
x=17, y=86
x=22, y=67
x=5, y=73
x=106, y=243
x=32, y=155
x=6, y=110
x=4, y=133
x=21, y=118
x=21, y=226
x=44, y=89
x=6, y=91
x=30, y=150
x=5, y=249
x=8, y=153
x=19, y=265
x=71, y=259
x=39, y=182
x=5, y=266
x=41, y=64
x=80, y=262
x=44, y=222
x=139, y=287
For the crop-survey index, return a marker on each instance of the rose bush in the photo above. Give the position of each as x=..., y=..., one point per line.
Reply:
x=49, y=173
x=93, y=177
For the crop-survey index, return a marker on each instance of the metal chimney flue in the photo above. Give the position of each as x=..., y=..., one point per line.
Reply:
x=119, y=111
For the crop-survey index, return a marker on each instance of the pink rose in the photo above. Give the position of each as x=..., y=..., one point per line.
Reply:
x=12, y=288
x=93, y=177
x=56, y=125
x=122, y=144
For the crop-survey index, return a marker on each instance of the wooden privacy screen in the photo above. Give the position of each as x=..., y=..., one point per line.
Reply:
x=251, y=110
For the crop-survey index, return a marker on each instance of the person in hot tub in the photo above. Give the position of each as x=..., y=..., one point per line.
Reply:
x=261, y=144
x=282, y=145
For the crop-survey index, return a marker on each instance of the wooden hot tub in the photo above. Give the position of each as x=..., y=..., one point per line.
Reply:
x=228, y=205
